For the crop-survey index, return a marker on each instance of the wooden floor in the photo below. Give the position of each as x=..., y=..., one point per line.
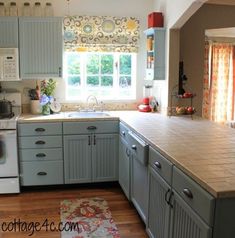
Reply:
x=37, y=205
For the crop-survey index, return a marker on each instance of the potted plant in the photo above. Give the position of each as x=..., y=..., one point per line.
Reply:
x=46, y=97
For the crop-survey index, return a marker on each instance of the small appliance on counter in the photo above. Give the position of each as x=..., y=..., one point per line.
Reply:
x=145, y=107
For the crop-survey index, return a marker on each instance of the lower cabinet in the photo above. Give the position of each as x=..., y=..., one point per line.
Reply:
x=159, y=210
x=90, y=158
x=40, y=153
x=185, y=222
x=124, y=167
x=178, y=207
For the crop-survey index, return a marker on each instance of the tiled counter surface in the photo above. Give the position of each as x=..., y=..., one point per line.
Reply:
x=202, y=149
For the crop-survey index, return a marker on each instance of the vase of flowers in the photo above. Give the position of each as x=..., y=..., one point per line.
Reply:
x=47, y=91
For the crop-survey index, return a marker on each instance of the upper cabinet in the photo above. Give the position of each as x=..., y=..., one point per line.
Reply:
x=155, y=69
x=41, y=47
x=8, y=32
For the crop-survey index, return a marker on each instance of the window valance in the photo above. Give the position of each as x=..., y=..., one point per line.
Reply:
x=101, y=33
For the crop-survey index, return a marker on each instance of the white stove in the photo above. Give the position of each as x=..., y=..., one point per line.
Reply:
x=9, y=171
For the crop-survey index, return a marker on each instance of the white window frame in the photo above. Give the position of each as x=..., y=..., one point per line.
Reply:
x=116, y=75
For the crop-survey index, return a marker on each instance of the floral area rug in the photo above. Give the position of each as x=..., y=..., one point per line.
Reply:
x=92, y=217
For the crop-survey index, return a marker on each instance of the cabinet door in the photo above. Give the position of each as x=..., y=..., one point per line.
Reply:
x=77, y=158
x=104, y=157
x=155, y=53
x=8, y=32
x=158, y=209
x=40, y=47
x=185, y=222
x=124, y=167
x=139, y=186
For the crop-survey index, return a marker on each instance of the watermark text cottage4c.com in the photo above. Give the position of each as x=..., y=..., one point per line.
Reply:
x=30, y=227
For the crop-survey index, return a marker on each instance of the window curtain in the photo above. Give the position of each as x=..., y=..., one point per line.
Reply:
x=218, y=96
x=101, y=33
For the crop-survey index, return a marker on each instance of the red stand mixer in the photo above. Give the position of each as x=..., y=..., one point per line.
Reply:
x=144, y=107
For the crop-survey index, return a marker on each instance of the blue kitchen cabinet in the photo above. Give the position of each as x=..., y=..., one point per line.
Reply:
x=77, y=158
x=155, y=53
x=41, y=47
x=8, y=32
x=40, y=153
x=90, y=151
x=124, y=160
x=105, y=157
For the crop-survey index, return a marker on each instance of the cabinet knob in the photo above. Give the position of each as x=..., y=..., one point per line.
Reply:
x=157, y=165
x=40, y=142
x=123, y=133
x=187, y=193
x=40, y=155
x=39, y=129
x=133, y=147
x=41, y=173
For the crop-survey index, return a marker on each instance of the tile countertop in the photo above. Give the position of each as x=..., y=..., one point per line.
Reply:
x=202, y=149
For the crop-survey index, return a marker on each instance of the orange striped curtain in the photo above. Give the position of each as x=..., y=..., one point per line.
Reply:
x=218, y=94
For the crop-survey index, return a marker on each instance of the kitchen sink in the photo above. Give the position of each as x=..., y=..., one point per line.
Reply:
x=87, y=114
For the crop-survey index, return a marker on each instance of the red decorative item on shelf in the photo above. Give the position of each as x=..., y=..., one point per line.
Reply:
x=155, y=19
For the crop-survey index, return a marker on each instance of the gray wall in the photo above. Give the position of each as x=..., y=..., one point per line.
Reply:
x=192, y=38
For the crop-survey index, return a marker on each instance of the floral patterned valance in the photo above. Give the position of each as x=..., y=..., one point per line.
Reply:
x=101, y=33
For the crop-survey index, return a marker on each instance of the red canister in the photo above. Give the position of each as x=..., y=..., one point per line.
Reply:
x=155, y=19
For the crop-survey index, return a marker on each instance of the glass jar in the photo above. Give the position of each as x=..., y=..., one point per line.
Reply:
x=37, y=10
x=2, y=9
x=48, y=11
x=26, y=10
x=13, y=11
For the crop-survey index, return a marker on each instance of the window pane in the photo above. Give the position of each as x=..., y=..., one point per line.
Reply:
x=124, y=81
x=106, y=81
x=73, y=64
x=106, y=64
x=74, y=80
x=93, y=64
x=125, y=64
x=92, y=81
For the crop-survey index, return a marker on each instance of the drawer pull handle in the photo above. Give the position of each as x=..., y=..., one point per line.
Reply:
x=187, y=193
x=157, y=165
x=41, y=173
x=91, y=128
x=123, y=133
x=166, y=196
x=40, y=155
x=133, y=147
x=39, y=129
x=40, y=142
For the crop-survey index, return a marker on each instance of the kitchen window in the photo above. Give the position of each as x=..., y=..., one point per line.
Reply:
x=108, y=76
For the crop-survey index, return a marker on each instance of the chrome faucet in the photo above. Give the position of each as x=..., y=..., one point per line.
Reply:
x=93, y=99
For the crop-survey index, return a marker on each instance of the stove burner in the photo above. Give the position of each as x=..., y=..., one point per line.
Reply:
x=8, y=116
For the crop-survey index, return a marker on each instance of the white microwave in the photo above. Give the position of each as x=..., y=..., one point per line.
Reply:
x=9, y=64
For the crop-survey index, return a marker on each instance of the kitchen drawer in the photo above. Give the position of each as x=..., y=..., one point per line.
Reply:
x=41, y=154
x=31, y=142
x=123, y=131
x=138, y=147
x=39, y=129
x=41, y=173
x=195, y=196
x=71, y=128
x=160, y=164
